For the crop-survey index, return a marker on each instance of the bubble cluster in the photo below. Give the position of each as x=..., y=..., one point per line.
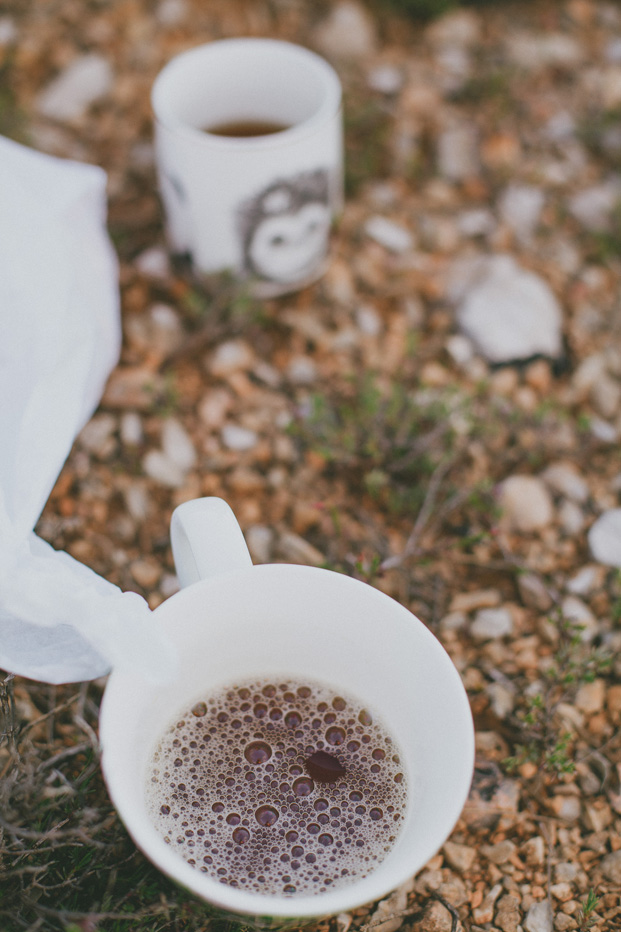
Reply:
x=285, y=789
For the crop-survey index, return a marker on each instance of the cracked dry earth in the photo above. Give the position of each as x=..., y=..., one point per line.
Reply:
x=439, y=416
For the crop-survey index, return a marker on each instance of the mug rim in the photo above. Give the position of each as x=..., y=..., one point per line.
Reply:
x=330, y=107
x=365, y=890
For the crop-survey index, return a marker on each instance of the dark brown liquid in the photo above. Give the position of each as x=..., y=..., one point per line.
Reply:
x=245, y=128
x=278, y=788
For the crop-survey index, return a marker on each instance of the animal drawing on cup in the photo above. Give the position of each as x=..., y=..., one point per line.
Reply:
x=285, y=228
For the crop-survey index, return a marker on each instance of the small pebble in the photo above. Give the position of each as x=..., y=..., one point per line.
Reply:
x=526, y=503
x=69, y=95
x=240, y=439
x=177, y=445
x=491, y=623
x=605, y=538
x=539, y=918
x=392, y=236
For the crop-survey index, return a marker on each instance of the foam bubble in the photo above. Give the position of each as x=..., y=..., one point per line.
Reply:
x=243, y=787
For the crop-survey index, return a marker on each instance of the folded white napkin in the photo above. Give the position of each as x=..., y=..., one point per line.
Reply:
x=60, y=337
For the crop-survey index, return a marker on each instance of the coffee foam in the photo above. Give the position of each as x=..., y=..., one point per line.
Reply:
x=232, y=787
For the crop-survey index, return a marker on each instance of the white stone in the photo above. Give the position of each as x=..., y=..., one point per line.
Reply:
x=131, y=429
x=164, y=331
x=177, y=445
x=236, y=437
x=491, y=623
x=169, y=584
x=368, y=320
x=603, y=431
x=390, y=235
x=137, y=501
x=229, y=357
x=502, y=700
x=97, y=435
x=8, y=30
x=564, y=478
x=387, y=916
x=560, y=127
x=458, y=152
x=260, y=541
x=171, y=12
x=162, y=470
x=577, y=612
x=593, y=206
x=526, y=503
x=214, y=407
x=70, y=94
x=613, y=51
x=571, y=518
x=520, y=208
x=386, y=79
x=586, y=580
x=347, y=32
x=460, y=349
x=459, y=28
x=534, y=51
x=508, y=312
x=539, y=918
x=479, y=221
x=611, y=867
x=606, y=396
x=294, y=548
x=604, y=538
x=302, y=370
x=153, y=263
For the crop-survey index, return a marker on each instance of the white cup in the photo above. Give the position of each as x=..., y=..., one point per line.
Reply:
x=259, y=206
x=232, y=622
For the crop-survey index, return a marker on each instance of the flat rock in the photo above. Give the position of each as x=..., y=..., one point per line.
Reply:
x=390, y=235
x=604, y=538
x=508, y=312
x=69, y=95
x=491, y=623
x=295, y=549
x=508, y=913
x=460, y=28
x=229, y=357
x=520, y=208
x=236, y=437
x=177, y=445
x=565, y=478
x=526, y=503
x=163, y=470
x=461, y=857
x=539, y=918
x=387, y=916
x=535, y=51
x=593, y=206
x=348, y=32
x=458, y=152
x=611, y=867
x=578, y=612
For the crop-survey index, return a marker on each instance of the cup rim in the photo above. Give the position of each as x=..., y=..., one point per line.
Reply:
x=365, y=890
x=329, y=108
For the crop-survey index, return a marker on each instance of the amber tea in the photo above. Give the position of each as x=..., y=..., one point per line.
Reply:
x=279, y=787
x=246, y=128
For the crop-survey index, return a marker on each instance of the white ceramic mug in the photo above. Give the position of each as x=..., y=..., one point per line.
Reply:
x=233, y=621
x=259, y=206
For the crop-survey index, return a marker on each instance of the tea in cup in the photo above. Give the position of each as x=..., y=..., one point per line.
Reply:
x=313, y=748
x=248, y=139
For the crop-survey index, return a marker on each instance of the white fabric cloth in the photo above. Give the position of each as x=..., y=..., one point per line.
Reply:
x=60, y=336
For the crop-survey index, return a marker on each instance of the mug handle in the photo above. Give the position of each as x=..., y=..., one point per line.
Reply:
x=206, y=540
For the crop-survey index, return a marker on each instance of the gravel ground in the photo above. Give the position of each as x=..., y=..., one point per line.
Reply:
x=439, y=416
